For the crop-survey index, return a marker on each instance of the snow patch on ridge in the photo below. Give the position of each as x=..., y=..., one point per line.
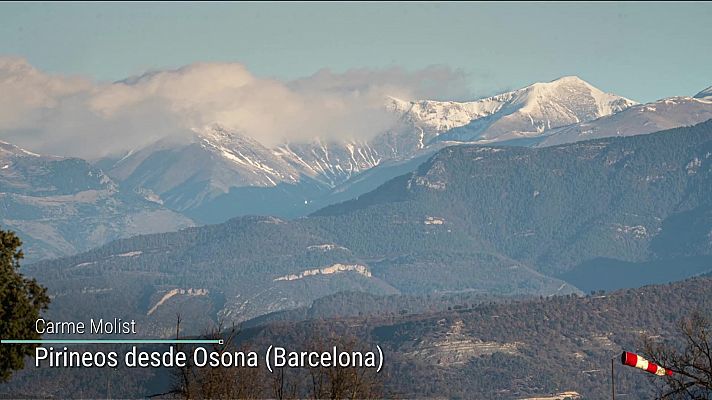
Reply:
x=173, y=292
x=637, y=231
x=333, y=269
x=433, y=221
x=558, y=396
x=326, y=247
x=129, y=254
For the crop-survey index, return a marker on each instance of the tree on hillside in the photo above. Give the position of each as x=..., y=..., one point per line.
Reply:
x=191, y=382
x=21, y=301
x=689, y=356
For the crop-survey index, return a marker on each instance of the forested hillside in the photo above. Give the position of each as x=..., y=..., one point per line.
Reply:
x=522, y=348
x=553, y=208
x=504, y=350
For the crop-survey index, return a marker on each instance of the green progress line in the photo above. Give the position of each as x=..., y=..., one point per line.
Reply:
x=112, y=341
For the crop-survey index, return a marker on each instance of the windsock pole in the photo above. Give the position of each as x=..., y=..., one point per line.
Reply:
x=613, y=381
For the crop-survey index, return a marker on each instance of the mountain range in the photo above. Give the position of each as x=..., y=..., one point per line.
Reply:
x=222, y=173
x=219, y=174
x=505, y=221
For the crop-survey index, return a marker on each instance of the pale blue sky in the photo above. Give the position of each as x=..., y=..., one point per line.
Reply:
x=644, y=51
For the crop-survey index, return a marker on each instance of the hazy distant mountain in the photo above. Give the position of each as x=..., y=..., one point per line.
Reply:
x=60, y=206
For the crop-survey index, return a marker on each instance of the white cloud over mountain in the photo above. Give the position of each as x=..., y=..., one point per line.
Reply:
x=76, y=116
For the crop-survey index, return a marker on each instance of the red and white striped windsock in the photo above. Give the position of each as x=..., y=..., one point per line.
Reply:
x=637, y=361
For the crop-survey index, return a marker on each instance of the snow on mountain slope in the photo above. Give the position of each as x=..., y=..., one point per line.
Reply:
x=327, y=162
x=185, y=175
x=10, y=150
x=330, y=163
x=641, y=119
x=525, y=112
x=264, y=166
x=441, y=116
x=233, y=174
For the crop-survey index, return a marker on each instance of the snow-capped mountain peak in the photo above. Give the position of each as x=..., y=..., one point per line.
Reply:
x=441, y=116
x=574, y=96
x=248, y=155
x=520, y=113
x=327, y=162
